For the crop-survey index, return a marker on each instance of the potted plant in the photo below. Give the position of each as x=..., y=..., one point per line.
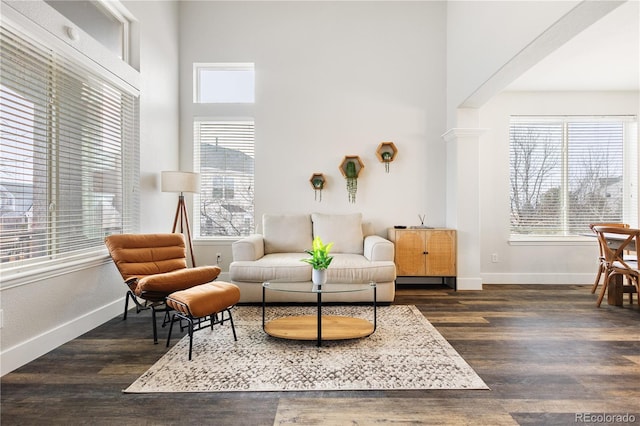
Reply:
x=350, y=168
x=320, y=260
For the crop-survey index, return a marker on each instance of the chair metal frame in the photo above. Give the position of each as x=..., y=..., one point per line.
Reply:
x=155, y=306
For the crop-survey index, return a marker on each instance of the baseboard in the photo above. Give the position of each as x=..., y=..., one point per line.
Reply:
x=469, y=283
x=540, y=278
x=23, y=353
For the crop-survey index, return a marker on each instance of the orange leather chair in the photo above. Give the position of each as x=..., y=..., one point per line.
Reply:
x=153, y=266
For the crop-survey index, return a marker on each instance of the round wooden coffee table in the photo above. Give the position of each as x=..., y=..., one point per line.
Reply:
x=318, y=327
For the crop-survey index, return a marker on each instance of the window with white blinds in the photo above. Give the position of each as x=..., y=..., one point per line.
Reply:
x=224, y=157
x=68, y=155
x=568, y=172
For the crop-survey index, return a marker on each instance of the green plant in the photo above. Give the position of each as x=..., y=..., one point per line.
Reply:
x=352, y=180
x=318, y=183
x=386, y=158
x=319, y=253
x=318, y=186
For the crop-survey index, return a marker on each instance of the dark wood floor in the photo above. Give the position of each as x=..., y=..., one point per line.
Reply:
x=547, y=353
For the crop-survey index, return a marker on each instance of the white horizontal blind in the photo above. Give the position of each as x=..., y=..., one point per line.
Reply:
x=596, y=170
x=224, y=157
x=567, y=172
x=68, y=155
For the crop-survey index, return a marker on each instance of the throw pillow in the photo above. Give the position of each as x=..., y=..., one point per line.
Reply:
x=343, y=230
x=286, y=233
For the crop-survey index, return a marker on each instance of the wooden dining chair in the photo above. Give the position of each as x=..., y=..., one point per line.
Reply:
x=602, y=266
x=615, y=241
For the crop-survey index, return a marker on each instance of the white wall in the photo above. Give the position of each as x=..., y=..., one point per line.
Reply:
x=489, y=45
x=332, y=79
x=43, y=312
x=482, y=36
x=159, y=109
x=532, y=263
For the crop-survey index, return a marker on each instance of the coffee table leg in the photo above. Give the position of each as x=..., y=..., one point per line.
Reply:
x=319, y=319
x=375, y=308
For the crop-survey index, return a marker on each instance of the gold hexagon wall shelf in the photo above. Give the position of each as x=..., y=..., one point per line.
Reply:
x=386, y=153
x=351, y=158
x=317, y=181
x=350, y=168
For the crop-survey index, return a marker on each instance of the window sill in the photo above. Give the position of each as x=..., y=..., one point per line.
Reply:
x=539, y=240
x=214, y=241
x=19, y=276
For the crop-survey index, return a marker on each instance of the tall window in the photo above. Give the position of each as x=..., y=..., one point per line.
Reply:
x=68, y=155
x=224, y=151
x=568, y=172
x=225, y=160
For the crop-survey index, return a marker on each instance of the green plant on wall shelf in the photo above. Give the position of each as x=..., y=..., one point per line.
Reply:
x=352, y=181
x=317, y=183
x=350, y=168
x=386, y=157
x=386, y=153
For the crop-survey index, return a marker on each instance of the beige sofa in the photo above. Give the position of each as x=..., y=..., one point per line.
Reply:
x=276, y=254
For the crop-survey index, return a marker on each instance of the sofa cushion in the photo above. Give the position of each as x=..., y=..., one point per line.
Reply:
x=353, y=268
x=343, y=230
x=280, y=266
x=286, y=233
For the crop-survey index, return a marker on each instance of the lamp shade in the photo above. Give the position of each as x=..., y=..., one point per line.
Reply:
x=180, y=182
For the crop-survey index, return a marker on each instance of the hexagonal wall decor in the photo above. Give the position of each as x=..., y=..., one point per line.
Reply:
x=317, y=181
x=386, y=153
x=350, y=168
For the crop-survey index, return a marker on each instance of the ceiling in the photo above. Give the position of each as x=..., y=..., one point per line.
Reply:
x=605, y=56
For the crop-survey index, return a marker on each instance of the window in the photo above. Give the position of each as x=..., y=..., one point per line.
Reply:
x=101, y=19
x=224, y=83
x=225, y=160
x=568, y=172
x=68, y=155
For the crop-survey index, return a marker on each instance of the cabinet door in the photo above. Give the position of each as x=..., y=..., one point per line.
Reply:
x=441, y=253
x=410, y=247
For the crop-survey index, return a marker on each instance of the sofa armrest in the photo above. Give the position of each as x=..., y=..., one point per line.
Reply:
x=248, y=248
x=377, y=248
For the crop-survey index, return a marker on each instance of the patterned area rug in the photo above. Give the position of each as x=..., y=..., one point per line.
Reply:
x=405, y=352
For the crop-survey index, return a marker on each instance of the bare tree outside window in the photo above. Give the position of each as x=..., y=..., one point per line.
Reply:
x=535, y=161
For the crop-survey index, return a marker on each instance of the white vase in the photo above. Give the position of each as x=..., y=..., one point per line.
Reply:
x=319, y=276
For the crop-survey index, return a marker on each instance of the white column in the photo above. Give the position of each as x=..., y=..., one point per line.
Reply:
x=463, y=202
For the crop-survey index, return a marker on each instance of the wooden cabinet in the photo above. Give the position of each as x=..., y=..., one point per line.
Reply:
x=424, y=252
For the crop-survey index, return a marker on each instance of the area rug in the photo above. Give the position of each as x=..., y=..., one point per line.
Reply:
x=405, y=352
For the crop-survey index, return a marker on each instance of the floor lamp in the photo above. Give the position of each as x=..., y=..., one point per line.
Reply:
x=182, y=182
